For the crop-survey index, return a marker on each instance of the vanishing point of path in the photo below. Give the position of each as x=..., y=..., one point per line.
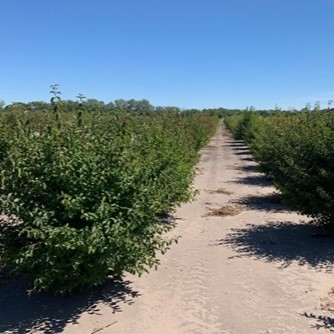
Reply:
x=261, y=269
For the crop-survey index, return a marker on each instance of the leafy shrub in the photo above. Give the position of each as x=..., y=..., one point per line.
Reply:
x=87, y=191
x=298, y=152
x=244, y=125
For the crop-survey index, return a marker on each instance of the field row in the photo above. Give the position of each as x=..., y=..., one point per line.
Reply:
x=87, y=194
x=296, y=150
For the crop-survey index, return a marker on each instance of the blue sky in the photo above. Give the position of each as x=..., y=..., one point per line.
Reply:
x=185, y=53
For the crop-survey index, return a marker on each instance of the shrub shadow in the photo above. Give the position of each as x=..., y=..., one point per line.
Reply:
x=255, y=180
x=235, y=143
x=242, y=153
x=249, y=168
x=241, y=148
x=269, y=202
x=248, y=159
x=322, y=321
x=45, y=313
x=284, y=243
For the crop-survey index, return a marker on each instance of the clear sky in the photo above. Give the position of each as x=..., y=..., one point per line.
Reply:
x=185, y=53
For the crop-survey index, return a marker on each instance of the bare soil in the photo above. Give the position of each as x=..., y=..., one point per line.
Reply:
x=261, y=270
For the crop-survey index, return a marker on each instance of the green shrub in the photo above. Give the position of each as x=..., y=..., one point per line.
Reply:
x=87, y=195
x=298, y=152
x=244, y=125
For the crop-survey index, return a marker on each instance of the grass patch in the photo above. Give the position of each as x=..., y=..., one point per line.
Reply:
x=220, y=191
x=226, y=210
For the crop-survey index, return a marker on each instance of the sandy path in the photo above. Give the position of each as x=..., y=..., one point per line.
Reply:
x=260, y=271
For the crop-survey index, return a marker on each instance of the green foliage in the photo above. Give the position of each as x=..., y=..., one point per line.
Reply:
x=86, y=191
x=297, y=151
x=244, y=125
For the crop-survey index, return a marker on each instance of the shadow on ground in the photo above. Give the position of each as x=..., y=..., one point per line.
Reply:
x=242, y=152
x=235, y=143
x=248, y=159
x=249, y=168
x=254, y=180
x=269, y=202
x=322, y=321
x=284, y=243
x=21, y=313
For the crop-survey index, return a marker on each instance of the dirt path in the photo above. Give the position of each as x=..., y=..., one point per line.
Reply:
x=259, y=271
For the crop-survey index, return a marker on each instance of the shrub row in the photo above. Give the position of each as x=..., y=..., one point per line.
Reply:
x=87, y=192
x=297, y=151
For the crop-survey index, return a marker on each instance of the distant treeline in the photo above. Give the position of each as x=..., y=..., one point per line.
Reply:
x=143, y=106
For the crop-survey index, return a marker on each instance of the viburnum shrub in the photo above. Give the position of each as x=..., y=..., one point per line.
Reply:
x=86, y=192
x=297, y=151
x=244, y=125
